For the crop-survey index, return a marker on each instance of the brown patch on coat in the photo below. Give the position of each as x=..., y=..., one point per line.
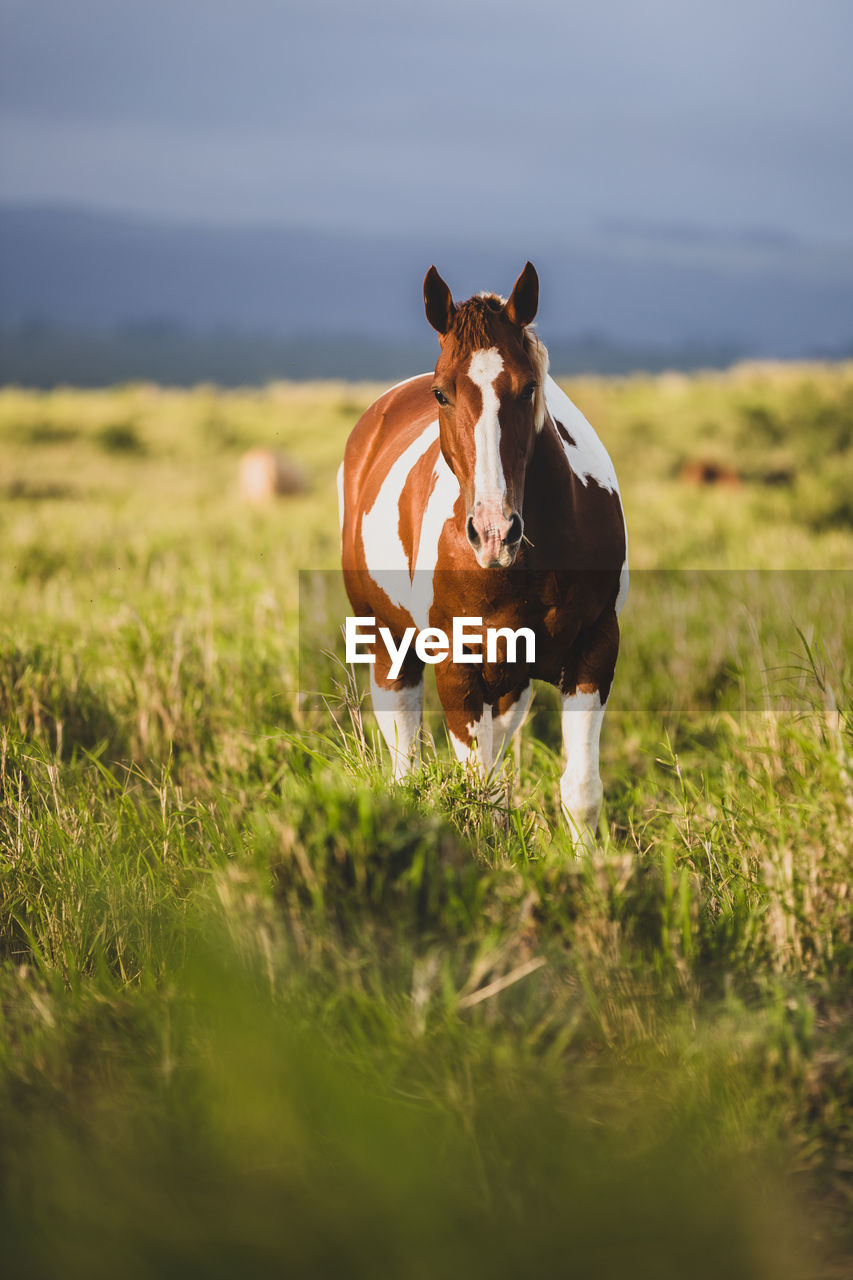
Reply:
x=567, y=436
x=414, y=497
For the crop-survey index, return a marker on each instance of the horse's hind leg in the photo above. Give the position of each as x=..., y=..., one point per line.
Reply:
x=584, y=704
x=398, y=707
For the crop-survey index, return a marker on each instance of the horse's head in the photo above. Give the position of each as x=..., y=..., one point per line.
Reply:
x=489, y=384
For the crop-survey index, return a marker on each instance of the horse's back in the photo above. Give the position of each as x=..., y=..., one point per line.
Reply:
x=384, y=432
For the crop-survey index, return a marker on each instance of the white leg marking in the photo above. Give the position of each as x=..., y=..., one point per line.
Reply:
x=464, y=753
x=506, y=726
x=398, y=712
x=481, y=755
x=580, y=785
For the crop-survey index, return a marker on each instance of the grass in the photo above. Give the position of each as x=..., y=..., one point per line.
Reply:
x=261, y=1009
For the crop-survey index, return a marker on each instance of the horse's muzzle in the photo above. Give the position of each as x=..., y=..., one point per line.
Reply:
x=495, y=534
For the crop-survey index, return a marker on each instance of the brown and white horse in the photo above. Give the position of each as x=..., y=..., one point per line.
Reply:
x=482, y=491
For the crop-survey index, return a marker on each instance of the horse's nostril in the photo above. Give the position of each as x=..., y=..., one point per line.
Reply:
x=473, y=535
x=515, y=530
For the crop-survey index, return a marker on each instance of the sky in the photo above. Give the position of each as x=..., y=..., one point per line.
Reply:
x=530, y=121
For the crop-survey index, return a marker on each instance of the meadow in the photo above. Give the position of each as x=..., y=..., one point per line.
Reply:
x=263, y=1011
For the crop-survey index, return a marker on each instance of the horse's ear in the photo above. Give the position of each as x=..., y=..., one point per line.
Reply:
x=524, y=299
x=438, y=302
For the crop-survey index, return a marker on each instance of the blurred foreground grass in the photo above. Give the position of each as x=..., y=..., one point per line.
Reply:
x=261, y=1010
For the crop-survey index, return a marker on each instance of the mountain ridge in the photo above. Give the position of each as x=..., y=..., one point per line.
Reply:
x=634, y=289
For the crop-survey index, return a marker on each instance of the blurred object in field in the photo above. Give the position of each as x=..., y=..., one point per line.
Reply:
x=266, y=474
x=700, y=472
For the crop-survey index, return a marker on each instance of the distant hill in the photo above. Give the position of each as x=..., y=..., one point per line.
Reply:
x=35, y=356
x=91, y=296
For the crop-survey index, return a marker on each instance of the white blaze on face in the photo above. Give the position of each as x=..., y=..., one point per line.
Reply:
x=489, y=482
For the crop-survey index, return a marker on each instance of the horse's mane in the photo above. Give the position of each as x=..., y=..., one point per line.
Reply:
x=471, y=324
x=471, y=328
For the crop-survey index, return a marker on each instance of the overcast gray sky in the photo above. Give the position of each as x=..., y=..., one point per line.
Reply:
x=491, y=120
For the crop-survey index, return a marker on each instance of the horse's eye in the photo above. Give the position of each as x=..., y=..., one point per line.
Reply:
x=529, y=391
x=440, y=396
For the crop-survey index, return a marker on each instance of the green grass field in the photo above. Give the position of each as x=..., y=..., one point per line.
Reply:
x=263, y=1012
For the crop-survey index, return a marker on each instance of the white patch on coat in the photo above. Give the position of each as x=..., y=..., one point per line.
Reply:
x=398, y=713
x=581, y=791
x=489, y=480
x=587, y=457
x=385, y=556
x=439, y=509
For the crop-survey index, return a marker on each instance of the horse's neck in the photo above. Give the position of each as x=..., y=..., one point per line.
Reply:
x=549, y=485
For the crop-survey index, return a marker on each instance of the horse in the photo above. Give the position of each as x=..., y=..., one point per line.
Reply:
x=481, y=493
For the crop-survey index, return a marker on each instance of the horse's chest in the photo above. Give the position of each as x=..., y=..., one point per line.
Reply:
x=552, y=606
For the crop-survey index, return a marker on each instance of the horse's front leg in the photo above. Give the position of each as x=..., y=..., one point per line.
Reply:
x=586, y=688
x=508, y=717
x=581, y=791
x=398, y=707
x=468, y=715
